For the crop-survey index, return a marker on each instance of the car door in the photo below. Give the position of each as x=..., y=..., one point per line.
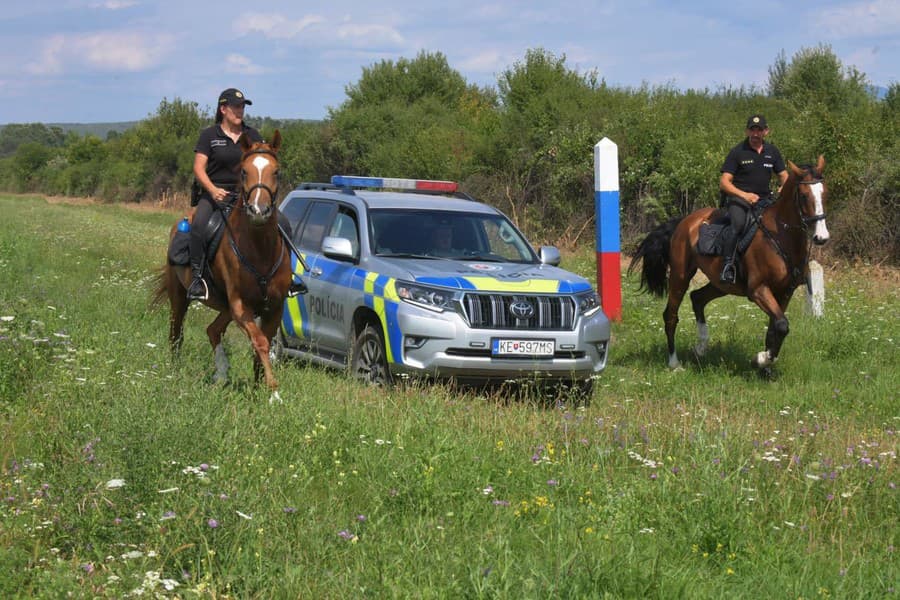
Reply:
x=335, y=295
x=302, y=322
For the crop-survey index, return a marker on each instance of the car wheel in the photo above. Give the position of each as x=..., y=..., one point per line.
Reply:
x=369, y=360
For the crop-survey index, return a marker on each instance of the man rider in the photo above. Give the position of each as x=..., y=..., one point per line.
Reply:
x=746, y=174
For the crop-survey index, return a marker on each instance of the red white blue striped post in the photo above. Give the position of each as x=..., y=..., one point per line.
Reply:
x=606, y=210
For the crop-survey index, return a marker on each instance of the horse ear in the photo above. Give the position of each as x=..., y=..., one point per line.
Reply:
x=795, y=169
x=820, y=164
x=276, y=140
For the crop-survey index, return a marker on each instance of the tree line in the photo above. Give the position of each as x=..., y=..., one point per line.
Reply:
x=526, y=144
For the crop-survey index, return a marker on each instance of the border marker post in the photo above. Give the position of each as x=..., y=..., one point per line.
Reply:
x=606, y=214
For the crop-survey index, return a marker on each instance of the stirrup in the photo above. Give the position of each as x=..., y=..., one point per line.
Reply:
x=198, y=290
x=729, y=273
x=297, y=288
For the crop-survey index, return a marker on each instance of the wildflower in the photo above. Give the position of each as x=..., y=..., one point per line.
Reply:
x=114, y=484
x=243, y=515
x=487, y=491
x=289, y=510
x=361, y=518
x=729, y=571
x=88, y=568
x=167, y=515
x=501, y=503
x=552, y=482
x=212, y=523
x=350, y=537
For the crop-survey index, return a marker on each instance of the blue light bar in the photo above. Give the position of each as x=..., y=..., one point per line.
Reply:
x=394, y=183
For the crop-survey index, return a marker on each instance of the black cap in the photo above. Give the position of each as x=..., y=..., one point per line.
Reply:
x=757, y=121
x=233, y=97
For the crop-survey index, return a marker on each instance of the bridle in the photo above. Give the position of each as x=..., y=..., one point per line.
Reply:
x=798, y=201
x=261, y=280
x=273, y=194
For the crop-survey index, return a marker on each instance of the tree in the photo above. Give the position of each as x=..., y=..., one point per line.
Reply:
x=816, y=76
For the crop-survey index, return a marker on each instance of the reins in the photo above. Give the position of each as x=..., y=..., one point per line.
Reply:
x=261, y=280
x=795, y=272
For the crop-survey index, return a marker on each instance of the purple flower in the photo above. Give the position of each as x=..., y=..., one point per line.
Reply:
x=501, y=502
x=88, y=568
x=289, y=510
x=117, y=521
x=552, y=482
x=653, y=476
x=204, y=467
x=345, y=534
x=212, y=523
x=361, y=518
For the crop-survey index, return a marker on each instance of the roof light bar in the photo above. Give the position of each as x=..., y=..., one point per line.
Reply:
x=393, y=183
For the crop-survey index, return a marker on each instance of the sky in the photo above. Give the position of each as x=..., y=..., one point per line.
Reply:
x=98, y=61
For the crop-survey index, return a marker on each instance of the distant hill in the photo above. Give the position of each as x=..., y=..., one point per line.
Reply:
x=101, y=130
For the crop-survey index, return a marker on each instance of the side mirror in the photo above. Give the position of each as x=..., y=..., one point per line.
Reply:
x=549, y=255
x=338, y=248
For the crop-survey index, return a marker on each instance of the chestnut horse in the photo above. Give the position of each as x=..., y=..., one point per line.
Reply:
x=772, y=267
x=251, y=272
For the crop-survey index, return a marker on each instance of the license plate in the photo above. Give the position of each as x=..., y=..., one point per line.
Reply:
x=522, y=347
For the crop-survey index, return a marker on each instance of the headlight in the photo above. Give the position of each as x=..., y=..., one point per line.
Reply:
x=437, y=299
x=588, y=303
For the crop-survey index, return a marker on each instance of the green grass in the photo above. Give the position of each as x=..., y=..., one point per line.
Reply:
x=706, y=483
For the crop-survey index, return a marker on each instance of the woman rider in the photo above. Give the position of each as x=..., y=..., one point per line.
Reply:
x=217, y=157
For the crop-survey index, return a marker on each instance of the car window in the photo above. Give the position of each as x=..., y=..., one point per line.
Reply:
x=313, y=228
x=344, y=226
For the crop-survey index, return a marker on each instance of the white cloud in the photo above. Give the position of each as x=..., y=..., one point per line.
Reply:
x=275, y=26
x=105, y=51
x=114, y=4
x=369, y=35
x=236, y=63
x=861, y=19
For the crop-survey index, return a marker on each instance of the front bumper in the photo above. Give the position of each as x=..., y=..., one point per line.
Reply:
x=443, y=345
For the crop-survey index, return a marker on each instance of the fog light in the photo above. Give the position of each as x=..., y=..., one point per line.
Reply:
x=414, y=342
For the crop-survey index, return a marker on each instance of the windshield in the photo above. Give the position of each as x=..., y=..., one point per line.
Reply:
x=448, y=234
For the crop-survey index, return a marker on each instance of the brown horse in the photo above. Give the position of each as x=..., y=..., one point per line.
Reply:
x=774, y=264
x=251, y=272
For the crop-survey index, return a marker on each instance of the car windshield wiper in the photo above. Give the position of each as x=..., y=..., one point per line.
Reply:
x=405, y=255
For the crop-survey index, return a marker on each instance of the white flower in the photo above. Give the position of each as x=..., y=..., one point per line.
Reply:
x=114, y=484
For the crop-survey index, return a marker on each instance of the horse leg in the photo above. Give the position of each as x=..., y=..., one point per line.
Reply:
x=259, y=340
x=778, y=327
x=699, y=299
x=677, y=287
x=214, y=332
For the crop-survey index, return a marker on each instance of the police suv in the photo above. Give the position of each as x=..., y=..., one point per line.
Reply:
x=412, y=278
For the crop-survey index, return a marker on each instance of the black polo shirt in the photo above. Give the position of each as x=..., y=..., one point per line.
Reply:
x=223, y=154
x=753, y=170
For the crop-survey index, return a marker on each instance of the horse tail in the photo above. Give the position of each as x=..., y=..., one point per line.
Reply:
x=160, y=287
x=653, y=252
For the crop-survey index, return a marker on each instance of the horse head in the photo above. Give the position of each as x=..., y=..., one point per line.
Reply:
x=259, y=177
x=810, y=197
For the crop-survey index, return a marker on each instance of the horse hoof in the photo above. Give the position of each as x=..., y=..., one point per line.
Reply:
x=767, y=374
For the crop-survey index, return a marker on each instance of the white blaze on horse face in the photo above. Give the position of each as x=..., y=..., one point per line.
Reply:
x=260, y=162
x=821, y=231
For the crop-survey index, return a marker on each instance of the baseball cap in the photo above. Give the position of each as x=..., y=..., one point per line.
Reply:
x=233, y=96
x=757, y=121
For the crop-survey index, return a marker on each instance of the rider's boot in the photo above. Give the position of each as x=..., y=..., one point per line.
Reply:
x=729, y=271
x=197, y=290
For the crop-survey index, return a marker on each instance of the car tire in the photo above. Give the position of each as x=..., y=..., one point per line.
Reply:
x=368, y=361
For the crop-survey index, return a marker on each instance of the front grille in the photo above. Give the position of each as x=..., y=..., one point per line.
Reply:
x=493, y=311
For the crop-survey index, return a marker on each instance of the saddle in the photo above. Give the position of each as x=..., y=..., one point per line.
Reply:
x=717, y=230
x=179, y=248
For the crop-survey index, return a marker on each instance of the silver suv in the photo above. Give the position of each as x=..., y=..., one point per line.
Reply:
x=410, y=278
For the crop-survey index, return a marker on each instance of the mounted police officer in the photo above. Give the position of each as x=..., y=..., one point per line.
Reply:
x=217, y=158
x=745, y=179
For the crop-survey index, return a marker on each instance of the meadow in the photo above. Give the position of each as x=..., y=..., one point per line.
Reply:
x=126, y=473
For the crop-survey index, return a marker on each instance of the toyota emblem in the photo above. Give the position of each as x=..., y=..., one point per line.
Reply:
x=521, y=309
